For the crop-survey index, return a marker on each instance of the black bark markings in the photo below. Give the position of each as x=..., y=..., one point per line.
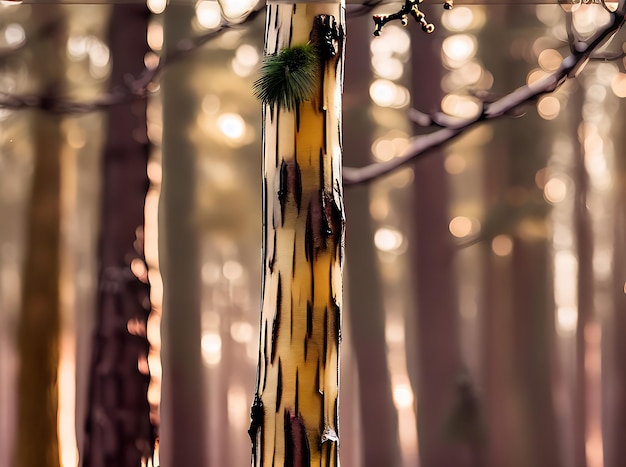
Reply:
x=325, y=126
x=277, y=135
x=276, y=322
x=283, y=190
x=296, y=403
x=290, y=183
x=317, y=377
x=257, y=418
x=309, y=318
x=297, y=112
x=272, y=259
x=336, y=314
x=297, y=450
x=265, y=340
x=279, y=385
x=325, y=345
x=306, y=348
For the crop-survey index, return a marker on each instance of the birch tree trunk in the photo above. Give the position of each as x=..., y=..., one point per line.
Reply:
x=295, y=411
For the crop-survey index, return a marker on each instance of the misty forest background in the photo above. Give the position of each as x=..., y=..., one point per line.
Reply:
x=484, y=320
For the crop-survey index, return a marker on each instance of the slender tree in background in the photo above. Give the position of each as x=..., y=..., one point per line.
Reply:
x=39, y=319
x=366, y=310
x=183, y=415
x=118, y=428
x=433, y=352
x=295, y=411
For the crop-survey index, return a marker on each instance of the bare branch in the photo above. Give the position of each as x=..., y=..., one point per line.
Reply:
x=135, y=88
x=569, y=68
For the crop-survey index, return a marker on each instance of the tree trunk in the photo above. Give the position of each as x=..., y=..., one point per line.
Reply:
x=433, y=354
x=183, y=416
x=39, y=321
x=366, y=312
x=118, y=427
x=295, y=411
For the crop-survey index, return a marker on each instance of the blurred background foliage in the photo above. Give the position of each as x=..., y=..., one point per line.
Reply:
x=485, y=283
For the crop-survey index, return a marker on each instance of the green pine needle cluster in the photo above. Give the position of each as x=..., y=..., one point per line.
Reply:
x=289, y=77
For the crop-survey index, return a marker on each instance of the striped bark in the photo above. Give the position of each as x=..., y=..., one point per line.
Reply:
x=295, y=411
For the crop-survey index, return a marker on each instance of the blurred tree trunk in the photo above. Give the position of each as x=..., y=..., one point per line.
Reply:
x=519, y=305
x=585, y=284
x=183, y=416
x=366, y=312
x=614, y=341
x=39, y=321
x=295, y=411
x=118, y=427
x=433, y=353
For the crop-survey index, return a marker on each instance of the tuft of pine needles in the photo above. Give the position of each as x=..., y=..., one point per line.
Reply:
x=289, y=77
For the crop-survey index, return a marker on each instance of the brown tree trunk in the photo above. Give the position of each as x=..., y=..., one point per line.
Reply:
x=118, y=427
x=39, y=320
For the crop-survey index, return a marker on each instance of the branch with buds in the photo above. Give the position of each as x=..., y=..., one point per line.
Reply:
x=410, y=7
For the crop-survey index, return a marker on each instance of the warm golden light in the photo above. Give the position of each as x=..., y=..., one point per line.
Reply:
x=67, y=404
x=548, y=107
x=567, y=319
x=454, y=164
x=502, y=245
x=238, y=413
x=155, y=35
x=618, y=84
x=232, y=270
x=387, y=239
x=458, y=49
x=208, y=14
x=460, y=226
x=461, y=106
x=395, y=40
x=236, y=9
x=386, y=93
x=458, y=19
x=555, y=190
x=549, y=59
x=156, y=6
x=232, y=125
x=535, y=75
x=403, y=396
x=241, y=331
x=211, y=348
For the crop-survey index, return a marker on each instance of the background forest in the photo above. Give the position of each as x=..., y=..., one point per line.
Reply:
x=485, y=283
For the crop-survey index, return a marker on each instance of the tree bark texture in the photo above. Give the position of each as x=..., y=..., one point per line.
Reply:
x=295, y=411
x=118, y=427
x=39, y=320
